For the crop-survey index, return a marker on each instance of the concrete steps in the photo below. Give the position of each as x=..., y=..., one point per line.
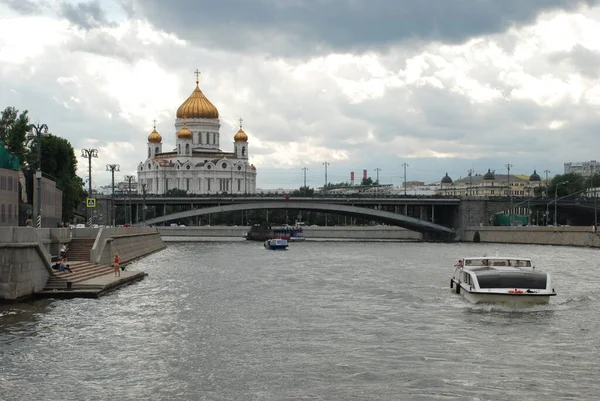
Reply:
x=79, y=249
x=82, y=271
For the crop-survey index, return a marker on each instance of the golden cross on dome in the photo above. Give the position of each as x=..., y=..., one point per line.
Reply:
x=197, y=72
x=241, y=122
x=154, y=121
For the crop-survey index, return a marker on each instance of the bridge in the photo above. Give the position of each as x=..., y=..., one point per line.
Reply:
x=429, y=230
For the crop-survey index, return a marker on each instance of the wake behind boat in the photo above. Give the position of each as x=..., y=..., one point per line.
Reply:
x=501, y=280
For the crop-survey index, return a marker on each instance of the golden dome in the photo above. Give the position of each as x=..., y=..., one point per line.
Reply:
x=154, y=136
x=240, y=136
x=184, y=132
x=197, y=106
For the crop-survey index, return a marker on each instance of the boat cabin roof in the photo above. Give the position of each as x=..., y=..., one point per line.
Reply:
x=496, y=263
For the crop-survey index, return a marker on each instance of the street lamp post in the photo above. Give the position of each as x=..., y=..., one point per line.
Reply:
x=39, y=129
x=304, y=187
x=325, y=164
x=405, y=165
x=89, y=154
x=593, y=190
x=547, y=186
x=112, y=168
x=144, y=203
x=509, y=192
x=555, y=201
x=129, y=178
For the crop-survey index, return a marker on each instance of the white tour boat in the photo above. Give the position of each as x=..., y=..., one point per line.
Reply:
x=504, y=280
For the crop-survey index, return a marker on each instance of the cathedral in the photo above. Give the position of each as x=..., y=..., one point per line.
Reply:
x=197, y=165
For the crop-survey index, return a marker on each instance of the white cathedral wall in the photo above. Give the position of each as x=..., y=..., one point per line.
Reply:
x=199, y=181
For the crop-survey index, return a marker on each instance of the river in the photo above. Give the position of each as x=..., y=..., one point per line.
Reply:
x=228, y=320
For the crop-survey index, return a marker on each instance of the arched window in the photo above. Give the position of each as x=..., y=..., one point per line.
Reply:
x=243, y=151
x=148, y=152
x=187, y=148
x=156, y=150
x=179, y=148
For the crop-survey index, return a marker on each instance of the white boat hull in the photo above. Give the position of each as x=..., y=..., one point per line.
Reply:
x=515, y=300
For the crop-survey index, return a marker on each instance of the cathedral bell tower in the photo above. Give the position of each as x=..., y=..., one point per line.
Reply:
x=240, y=143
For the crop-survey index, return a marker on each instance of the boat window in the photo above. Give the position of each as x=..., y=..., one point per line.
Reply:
x=491, y=279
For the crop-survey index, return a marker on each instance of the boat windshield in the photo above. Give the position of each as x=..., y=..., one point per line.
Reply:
x=498, y=262
x=495, y=279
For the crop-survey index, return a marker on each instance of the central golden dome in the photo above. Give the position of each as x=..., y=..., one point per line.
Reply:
x=197, y=106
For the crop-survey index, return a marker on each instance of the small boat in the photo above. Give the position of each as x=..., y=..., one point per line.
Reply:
x=501, y=280
x=264, y=232
x=276, y=243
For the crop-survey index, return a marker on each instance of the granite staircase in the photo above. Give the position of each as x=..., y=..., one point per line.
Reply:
x=82, y=271
x=79, y=249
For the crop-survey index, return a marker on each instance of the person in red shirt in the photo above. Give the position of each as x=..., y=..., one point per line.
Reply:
x=116, y=265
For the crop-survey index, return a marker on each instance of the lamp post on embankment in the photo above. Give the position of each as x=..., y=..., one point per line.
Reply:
x=89, y=154
x=112, y=168
x=38, y=131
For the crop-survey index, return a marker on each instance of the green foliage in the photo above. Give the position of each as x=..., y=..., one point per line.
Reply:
x=60, y=164
x=13, y=128
x=176, y=192
x=303, y=191
x=367, y=181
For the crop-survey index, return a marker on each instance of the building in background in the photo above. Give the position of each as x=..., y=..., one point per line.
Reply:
x=197, y=165
x=490, y=184
x=586, y=169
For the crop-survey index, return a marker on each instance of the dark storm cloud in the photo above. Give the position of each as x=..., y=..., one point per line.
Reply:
x=25, y=7
x=314, y=26
x=86, y=15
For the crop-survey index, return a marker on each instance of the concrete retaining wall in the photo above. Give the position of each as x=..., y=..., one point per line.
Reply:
x=131, y=246
x=135, y=241
x=567, y=236
x=24, y=263
x=347, y=232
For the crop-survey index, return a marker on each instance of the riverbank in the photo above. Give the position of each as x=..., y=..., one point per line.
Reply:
x=549, y=235
x=26, y=256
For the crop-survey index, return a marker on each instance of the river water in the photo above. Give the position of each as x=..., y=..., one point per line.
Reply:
x=228, y=320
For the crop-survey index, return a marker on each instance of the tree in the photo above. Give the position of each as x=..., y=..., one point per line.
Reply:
x=176, y=192
x=367, y=181
x=303, y=191
x=13, y=128
x=60, y=164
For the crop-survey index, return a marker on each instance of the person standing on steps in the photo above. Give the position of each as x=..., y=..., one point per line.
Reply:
x=116, y=265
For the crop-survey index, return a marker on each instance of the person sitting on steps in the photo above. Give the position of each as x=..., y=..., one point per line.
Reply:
x=62, y=266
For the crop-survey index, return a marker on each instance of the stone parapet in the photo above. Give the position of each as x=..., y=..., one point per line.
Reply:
x=547, y=235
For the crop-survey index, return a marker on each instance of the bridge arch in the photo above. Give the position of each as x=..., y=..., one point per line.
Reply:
x=400, y=220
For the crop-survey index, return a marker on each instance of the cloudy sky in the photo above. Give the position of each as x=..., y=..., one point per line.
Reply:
x=442, y=85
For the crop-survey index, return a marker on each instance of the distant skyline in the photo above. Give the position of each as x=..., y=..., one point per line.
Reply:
x=443, y=85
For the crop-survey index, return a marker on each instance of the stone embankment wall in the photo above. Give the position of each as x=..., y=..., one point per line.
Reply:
x=25, y=253
x=24, y=263
x=346, y=232
x=548, y=235
x=130, y=243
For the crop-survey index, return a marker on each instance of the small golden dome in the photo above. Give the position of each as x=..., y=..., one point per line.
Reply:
x=154, y=136
x=240, y=136
x=197, y=106
x=184, y=132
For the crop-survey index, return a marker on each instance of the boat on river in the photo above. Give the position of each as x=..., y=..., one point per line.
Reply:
x=501, y=280
x=276, y=244
x=262, y=233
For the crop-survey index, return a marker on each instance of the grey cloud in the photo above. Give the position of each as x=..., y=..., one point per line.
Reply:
x=317, y=26
x=25, y=7
x=586, y=61
x=86, y=15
